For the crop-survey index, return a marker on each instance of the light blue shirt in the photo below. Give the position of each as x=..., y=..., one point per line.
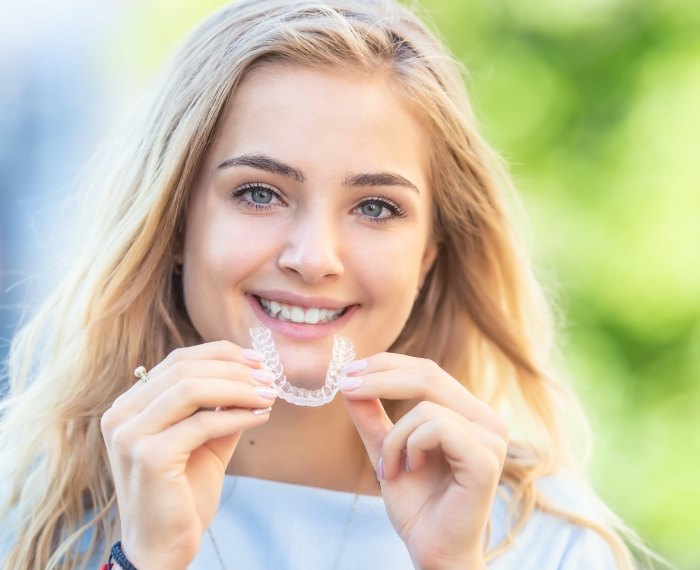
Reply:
x=267, y=525
x=270, y=525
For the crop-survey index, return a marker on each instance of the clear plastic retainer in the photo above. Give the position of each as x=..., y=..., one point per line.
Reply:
x=343, y=352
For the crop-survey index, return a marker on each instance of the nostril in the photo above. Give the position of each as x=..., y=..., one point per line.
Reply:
x=311, y=263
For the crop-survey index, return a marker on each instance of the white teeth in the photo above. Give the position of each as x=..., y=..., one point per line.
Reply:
x=286, y=313
x=312, y=316
x=298, y=314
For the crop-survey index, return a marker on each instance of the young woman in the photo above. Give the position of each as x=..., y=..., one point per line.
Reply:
x=314, y=168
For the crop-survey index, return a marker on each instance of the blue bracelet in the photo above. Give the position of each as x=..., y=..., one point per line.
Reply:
x=117, y=555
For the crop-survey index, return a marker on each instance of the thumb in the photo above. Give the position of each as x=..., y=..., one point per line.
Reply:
x=223, y=447
x=372, y=423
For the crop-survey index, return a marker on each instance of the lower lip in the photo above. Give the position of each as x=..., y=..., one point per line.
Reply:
x=300, y=330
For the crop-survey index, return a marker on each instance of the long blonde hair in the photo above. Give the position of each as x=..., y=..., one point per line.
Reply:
x=480, y=314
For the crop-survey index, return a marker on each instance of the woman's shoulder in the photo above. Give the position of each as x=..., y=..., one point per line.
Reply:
x=549, y=539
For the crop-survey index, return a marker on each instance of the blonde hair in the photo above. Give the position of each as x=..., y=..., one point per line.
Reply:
x=480, y=314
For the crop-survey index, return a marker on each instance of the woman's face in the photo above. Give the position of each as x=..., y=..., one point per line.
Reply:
x=311, y=216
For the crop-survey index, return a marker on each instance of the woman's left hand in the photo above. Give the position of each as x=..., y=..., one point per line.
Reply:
x=439, y=465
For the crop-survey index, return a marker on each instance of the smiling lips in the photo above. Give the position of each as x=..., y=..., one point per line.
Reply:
x=297, y=314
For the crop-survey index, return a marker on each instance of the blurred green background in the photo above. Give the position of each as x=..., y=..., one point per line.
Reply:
x=595, y=104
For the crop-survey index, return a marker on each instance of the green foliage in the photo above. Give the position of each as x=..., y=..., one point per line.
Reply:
x=596, y=106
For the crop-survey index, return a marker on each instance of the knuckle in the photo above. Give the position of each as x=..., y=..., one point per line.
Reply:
x=144, y=456
x=177, y=355
x=208, y=424
x=381, y=379
x=180, y=368
x=112, y=418
x=107, y=422
x=187, y=388
x=442, y=424
x=429, y=365
x=428, y=370
x=202, y=421
x=425, y=408
x=235, y=369
x=123, y=441
x=492, y=464
x=227, y=347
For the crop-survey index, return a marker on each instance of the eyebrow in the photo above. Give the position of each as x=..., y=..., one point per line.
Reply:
x=266, y=163
x=275, y=166
x=379, y=179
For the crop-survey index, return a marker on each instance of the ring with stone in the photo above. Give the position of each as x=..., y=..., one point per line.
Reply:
x=141, y=374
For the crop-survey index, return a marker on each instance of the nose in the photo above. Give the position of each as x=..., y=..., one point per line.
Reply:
x=312, y=247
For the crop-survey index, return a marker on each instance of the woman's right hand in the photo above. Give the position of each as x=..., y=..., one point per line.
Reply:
x=169, y=442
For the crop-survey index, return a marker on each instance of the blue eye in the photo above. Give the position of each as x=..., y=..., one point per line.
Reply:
x=257, y=196
x=372, y=209
x=380, y=210
x=261, y=196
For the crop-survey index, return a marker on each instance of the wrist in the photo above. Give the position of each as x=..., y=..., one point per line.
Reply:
x=148, y=559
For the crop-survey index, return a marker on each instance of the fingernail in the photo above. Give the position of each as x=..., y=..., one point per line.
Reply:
x=252, y=355
x=262, y=411
x=347, y=384
x=380, y=469
x=354, y=367
x=267, y=393
x=261, y=376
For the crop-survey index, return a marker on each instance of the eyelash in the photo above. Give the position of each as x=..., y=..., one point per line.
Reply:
x=396, y=210
x=238, y=194
x=244, y=189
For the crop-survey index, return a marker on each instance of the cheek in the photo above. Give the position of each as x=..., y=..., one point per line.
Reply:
x=390, y=279
x=218, y=256
x=392, y=272
x=223, y=247
x=209, y=256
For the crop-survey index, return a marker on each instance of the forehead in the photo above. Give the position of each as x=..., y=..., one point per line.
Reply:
x=346, y=118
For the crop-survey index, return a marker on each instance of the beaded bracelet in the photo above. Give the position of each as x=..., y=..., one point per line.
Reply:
x=117, y=554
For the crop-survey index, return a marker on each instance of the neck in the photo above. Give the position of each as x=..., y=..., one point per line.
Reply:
x=311, y=446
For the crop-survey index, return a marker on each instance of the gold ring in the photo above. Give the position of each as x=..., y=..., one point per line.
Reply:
x=141, y=374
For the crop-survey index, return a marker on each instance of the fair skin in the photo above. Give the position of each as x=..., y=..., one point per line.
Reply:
x=311, y=203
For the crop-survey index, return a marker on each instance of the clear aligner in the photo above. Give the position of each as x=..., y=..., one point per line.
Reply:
x=343, y=352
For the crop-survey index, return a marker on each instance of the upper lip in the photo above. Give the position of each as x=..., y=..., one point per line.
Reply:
x=301, y=300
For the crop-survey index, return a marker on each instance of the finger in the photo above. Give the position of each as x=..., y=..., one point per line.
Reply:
x=400, y=377
x=193, y=394
x=162, y=380
x=397, y=453
x=220, y=430
x=471, y=462
x=222, y=350
x=372, y=423
x=217, y=350
x=125, y=396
